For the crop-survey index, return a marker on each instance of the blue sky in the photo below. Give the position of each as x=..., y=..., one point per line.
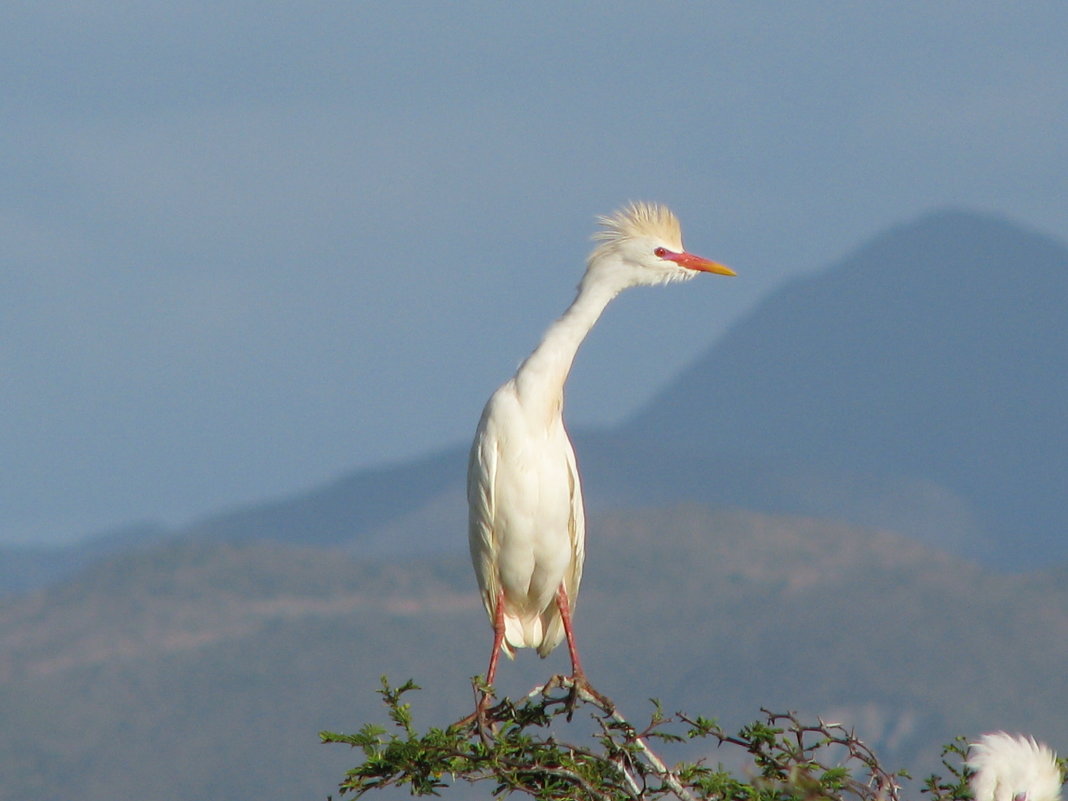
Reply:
x=246, y=247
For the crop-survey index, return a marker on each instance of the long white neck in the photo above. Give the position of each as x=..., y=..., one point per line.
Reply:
x=540, y=379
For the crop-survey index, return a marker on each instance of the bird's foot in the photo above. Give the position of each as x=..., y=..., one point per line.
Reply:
x=486, y=714
x=581, y=689
x=482, y=717
x=482, y=713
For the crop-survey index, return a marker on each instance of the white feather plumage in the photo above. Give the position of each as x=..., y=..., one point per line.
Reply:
x=1013, y=768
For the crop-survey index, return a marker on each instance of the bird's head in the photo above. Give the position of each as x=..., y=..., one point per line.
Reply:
x=642, y=244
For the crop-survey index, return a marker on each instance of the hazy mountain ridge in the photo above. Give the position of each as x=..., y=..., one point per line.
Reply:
x=347, y=511
x=183, y=595
x=26, y=567
x=208, y=667
x=338, y=511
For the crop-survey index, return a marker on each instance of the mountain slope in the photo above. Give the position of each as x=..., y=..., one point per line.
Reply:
x=937, y=352
x=27, y=567
x=334, y=513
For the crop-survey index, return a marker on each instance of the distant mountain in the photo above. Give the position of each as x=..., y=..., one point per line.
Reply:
x=335, y=512
x=374, y=511
x=27, y=567
x=205, y=669
x=936, y=354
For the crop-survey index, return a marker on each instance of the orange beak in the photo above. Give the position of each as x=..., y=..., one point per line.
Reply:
x=692, y=262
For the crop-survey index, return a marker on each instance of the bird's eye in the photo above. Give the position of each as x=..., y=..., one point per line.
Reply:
x=660, y=252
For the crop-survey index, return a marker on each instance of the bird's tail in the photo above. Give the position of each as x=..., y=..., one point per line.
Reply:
x=543, y=632
x=553, y=626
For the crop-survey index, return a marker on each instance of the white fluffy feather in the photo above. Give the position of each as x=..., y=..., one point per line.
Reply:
x=1013, y=768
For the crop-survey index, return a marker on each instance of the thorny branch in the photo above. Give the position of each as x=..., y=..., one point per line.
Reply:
x=513, y=744
x=608, y=710
x=804, y=743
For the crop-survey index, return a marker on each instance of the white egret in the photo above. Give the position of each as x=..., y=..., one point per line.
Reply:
x=1009, y=768
x=527, y=526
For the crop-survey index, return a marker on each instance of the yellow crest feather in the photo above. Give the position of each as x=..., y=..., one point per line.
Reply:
x=641, y=219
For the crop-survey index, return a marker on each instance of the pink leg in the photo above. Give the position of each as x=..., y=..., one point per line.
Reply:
x=564, y=605
x=498, y=637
